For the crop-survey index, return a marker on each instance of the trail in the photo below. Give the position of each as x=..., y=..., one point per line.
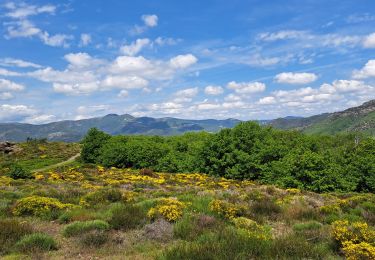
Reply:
x=71, y=159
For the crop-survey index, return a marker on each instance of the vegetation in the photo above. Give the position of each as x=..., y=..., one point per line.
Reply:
x=264, y=194
x=288, y=159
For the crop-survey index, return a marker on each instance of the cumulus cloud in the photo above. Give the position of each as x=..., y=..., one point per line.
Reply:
x=295, y=78
x=40, y=119
x=135, y=47
x=267, y=101
x=185, y=95
x=5, y=95
x=15, y=113
x=369, y=41
x=246, y=87
x=213, y=90
x=183, y=61
x=20, y=26
x=85, y=39
x=366, y=72
x=7, y=85
x=150, y=20
x=85, y=74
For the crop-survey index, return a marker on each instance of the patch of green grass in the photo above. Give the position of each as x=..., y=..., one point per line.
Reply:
x=36, y=242
x=79, y=227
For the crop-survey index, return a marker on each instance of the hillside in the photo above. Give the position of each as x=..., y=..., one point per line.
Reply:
x=91, y=212
x=74, y=130
x=355, y=119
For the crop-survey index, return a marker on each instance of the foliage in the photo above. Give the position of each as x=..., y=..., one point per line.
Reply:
x=35, y=243
x=80, y=227
x=11, y=231
x=248, y=151
x=224, y=208
x=17, y=172
x=169, y=208
x=127, y=216
x=38, y=206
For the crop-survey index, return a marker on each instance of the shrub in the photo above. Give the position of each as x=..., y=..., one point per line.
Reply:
x=35, y=243
x=356, y=232
x=224, y=208
x=105, y=195
x=251, y=228
x=192, y=226
x=81, y=214
x=127, y=216
x=147, y=172
x=265, y=207
x=160, y=230
x=79, y=227
x=11, y=231
x=39, y=206
x=17, y=172
x=362, y=250
x=311, y=225
x=94, y=238
x=169, y=208
x=225, y=243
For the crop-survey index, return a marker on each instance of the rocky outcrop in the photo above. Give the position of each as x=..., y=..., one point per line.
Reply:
x=9, y=148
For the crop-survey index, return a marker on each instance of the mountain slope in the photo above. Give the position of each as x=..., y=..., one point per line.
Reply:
x=71, y=131
x=355, y=119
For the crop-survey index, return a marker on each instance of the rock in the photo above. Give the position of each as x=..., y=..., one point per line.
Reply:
x=9, y=148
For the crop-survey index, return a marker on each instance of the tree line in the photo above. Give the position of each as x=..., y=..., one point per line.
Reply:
x=249, y=151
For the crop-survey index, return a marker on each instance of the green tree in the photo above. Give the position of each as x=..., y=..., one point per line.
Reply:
x=92, y=143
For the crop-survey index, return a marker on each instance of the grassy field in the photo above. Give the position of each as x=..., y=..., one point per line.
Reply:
x=89, y=212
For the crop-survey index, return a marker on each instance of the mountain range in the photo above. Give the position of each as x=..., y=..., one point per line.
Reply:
x=356, y=119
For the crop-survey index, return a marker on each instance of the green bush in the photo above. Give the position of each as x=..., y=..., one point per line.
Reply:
x=36, y=242
x=95, y=238
x=105, y=195
x=17, y=172
x=11, y=231
x=79, y=227
x=311, y=225
x=127, y=216
x=192, y=226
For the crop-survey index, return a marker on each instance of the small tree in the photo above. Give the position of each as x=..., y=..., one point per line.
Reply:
x=17, y=172
x=92, y=143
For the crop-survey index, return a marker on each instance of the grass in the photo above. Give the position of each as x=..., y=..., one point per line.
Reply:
x=108, y=217
x=79, y=227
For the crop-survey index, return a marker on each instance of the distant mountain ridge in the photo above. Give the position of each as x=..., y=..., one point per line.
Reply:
x=74, y=130
x=355, y=119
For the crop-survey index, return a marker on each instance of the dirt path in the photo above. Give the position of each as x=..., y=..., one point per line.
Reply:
x=71, y=159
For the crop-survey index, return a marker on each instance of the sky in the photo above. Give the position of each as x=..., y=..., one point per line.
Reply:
x=244, y=59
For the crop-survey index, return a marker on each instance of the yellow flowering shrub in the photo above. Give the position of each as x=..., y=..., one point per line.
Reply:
x=224, y=208
x=362, y=250
x=5, y=181
x=169, y=208
x=39, y=177
x=356, y=232
x=293, y=190
x=251, y=228
x=38, y=206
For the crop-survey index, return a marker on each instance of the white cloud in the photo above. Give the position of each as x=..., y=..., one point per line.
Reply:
x=81, y=60
x=295, y=78
x=76, y=88
x=166, y=41
x=7, y=85
x=213, y=90
x=366, y=72
x=267, y=101
x=183, y=61
x=5, y=95
x=232, y=98
x=23, y=28
x=84, y=112
x=11, y=62
x=40, y=119
x=369, y=41
x=8, y=73
x=246, y=87
x=23, y=10
x=85, y=39
x=123, y=93
x=185, y=95
x=124, y=82
x=135, y=47
x=15, y=113
x=282, y=35
x=150, y=20
x=56, y=40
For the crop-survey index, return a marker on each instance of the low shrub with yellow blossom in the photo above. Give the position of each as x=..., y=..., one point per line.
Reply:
x=252, y=228
x=169, y=208
x=38, y=206
x=357, y=239
x=225, y=208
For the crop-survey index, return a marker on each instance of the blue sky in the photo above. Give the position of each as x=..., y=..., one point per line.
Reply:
x=188, y=59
